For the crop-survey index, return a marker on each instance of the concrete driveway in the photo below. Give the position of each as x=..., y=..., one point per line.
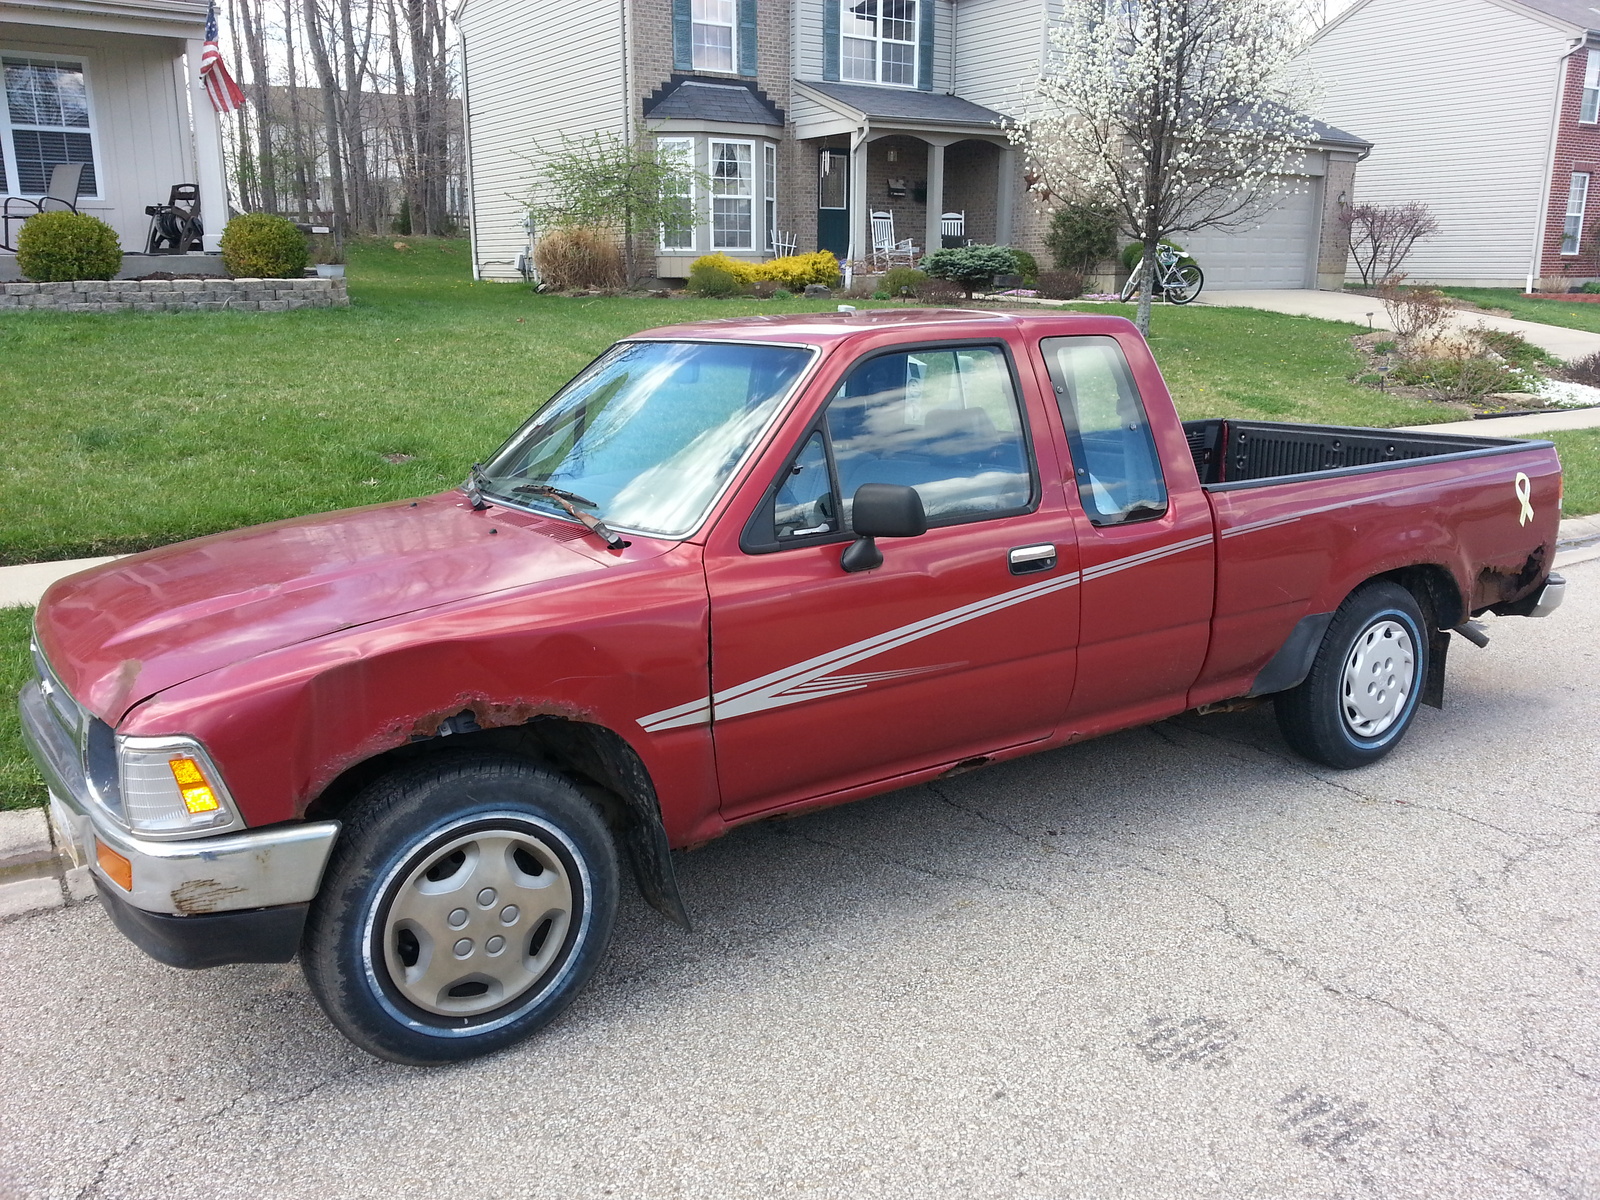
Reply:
x=1343, y=306
x=1173, y=963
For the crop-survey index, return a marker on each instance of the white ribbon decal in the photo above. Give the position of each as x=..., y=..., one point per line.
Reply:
x=1524, y=491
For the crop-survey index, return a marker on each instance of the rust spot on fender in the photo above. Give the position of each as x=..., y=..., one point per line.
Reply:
x=1500, y=585
x=202, y=896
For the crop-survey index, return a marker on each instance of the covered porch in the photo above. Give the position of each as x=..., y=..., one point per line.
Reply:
x=114, y=87
x=917, y=156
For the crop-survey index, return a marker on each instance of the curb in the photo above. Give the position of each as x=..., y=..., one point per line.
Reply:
x=34, y=875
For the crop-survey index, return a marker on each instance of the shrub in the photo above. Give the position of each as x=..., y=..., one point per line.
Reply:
x=1082, y=235
x=940, y=291
x=1513, y=347
x=1583, y=370
x=1383, y=236
x=782, y=294
x=1458, y=374
x=1060, y=285
x=262, y=246
x=55, y=247
x=898, y=280
x=1591, y=288
x=579, y=256
x=971, y=267
x=1027, y=266
x=1417, y=314
x=713, y=281
x=793, y=271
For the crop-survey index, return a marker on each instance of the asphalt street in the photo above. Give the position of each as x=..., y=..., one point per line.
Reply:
x=1173, y=963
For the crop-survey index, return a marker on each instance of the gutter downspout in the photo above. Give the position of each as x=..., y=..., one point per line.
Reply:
x=1546, y=191
x=955, y=25
x=466, y=131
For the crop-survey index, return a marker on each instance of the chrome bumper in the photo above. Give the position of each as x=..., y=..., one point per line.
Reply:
x=1550, y=597
x=281, y=864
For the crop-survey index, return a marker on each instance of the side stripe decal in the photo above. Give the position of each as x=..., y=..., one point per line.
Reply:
x=815, y=677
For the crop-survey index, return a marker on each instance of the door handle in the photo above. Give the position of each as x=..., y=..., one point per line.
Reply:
x=1031, y=560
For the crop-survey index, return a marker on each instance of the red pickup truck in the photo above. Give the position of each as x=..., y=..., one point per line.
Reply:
x=733, y=569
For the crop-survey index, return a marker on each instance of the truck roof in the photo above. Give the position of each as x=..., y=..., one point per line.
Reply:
x=910, y=324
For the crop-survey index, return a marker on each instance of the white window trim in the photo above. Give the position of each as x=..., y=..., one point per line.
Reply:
x=878, y=41
x=1583, y=204
x=1589, y=114
x=690, y=141
x=732, y=26
x=769, y=206
x=13, y=176
x=753, y=195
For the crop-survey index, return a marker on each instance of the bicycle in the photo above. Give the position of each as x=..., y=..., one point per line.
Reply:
x=1176, y=280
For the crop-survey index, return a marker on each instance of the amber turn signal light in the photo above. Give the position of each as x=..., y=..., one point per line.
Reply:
x=117, y=868
x=193, y=785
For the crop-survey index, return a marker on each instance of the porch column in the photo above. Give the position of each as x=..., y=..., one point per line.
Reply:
x=860, y=215
x=208, y=168
x=932, y=237
x=1005, y=196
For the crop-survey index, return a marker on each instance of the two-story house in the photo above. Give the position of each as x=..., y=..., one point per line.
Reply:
x=802, y=118
x=1487, y=111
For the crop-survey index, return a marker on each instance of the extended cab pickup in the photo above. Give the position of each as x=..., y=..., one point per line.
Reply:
x=734, y=569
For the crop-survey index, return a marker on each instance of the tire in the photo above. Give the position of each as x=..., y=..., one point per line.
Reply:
x=1362, y=692
x=436, y=935
x=1190, y=280
x=1131, y=288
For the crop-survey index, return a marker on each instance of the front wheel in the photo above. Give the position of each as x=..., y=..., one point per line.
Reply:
x=1190, y=279
x=467, y=902
x=1131, y=288
x=1362, y=692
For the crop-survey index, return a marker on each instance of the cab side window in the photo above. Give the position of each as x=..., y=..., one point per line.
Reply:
x=943, y=421
x=805, y=502
x=1114, y=457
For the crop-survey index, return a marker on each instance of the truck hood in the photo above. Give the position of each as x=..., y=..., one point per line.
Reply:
x=120, y=633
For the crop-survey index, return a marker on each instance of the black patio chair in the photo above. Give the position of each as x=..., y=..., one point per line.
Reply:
x=175, y=226
x=66, y=185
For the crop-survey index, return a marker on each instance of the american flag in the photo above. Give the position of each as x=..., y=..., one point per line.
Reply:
x=226, y=95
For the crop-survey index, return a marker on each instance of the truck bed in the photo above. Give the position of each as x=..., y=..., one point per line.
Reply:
x=1229, y=453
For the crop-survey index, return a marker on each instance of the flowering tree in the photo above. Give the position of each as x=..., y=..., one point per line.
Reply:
x=1179, y=114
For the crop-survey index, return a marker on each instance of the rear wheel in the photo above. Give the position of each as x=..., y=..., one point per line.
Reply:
x=1189, y=282
x=1362, y=692
x=467, y=902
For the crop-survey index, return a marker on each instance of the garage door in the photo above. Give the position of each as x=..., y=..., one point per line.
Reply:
x=1278, y=252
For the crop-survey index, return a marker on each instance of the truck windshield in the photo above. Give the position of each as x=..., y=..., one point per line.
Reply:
x=649, y=434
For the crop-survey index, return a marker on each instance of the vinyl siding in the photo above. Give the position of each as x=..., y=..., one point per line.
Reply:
x=536, y=70
x=808, y=48
x=140, y=122
x=1000, y=47
x=1458, y=98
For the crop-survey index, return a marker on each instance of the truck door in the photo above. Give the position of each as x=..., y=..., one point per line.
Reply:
x=1145, y=537
x=960, y=644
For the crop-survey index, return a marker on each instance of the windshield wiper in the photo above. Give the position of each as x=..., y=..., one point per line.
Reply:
x=474, y=486
x=570, y=502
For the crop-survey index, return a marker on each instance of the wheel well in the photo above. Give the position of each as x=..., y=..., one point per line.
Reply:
x=600, y=762
x=1435, y=591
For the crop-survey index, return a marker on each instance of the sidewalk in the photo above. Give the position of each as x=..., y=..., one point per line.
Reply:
x=1368, y=311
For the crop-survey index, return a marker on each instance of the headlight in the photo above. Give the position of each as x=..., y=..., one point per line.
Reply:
x=171, y=788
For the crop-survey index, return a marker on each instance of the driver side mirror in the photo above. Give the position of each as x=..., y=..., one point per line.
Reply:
x=881, y=510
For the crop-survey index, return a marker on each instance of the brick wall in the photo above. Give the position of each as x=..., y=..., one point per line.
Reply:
x=972, y=184
x=1333, y=251
x=1577, y=150
x=175, y=295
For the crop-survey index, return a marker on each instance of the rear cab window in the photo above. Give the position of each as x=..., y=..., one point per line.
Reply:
x=945, y=420
x=1114, y=458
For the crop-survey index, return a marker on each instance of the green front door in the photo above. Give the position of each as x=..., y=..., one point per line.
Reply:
x=833, y=203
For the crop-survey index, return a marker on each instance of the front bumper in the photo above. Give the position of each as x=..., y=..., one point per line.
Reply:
x=185, y=881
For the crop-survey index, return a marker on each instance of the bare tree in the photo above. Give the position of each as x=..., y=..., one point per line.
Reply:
x=1179, y=114
x=1383, y=236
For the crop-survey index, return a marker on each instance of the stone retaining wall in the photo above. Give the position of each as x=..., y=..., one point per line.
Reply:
x=174, y=295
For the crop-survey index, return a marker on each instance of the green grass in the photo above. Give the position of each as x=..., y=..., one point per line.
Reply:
x=1580, y=470
x=20, y=785
x=1546, y=312
x=126, y=431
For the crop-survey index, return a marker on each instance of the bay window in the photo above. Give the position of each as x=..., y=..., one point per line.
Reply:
x=769, y=161
x=1577, y=201
x=45, y=123
x=878, y=41
x=677, y=231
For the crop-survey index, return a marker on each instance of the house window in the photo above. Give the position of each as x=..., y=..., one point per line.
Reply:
x=47, y=122
x=713, y=34
x=769, y=163
x=732, y=195
x=1591, y=88
x=1577, y=200
x=878, y=41
x=677, y=233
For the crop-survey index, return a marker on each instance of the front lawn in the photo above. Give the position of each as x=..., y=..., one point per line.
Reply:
x=20, y=785
x=1511, y=301
x=1580, y=470
x=126, y=431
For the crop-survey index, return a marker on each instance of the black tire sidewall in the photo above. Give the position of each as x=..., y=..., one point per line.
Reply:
x=393, y=827
x=1179, y=297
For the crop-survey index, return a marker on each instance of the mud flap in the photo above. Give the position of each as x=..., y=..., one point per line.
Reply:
x=1433, y=685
